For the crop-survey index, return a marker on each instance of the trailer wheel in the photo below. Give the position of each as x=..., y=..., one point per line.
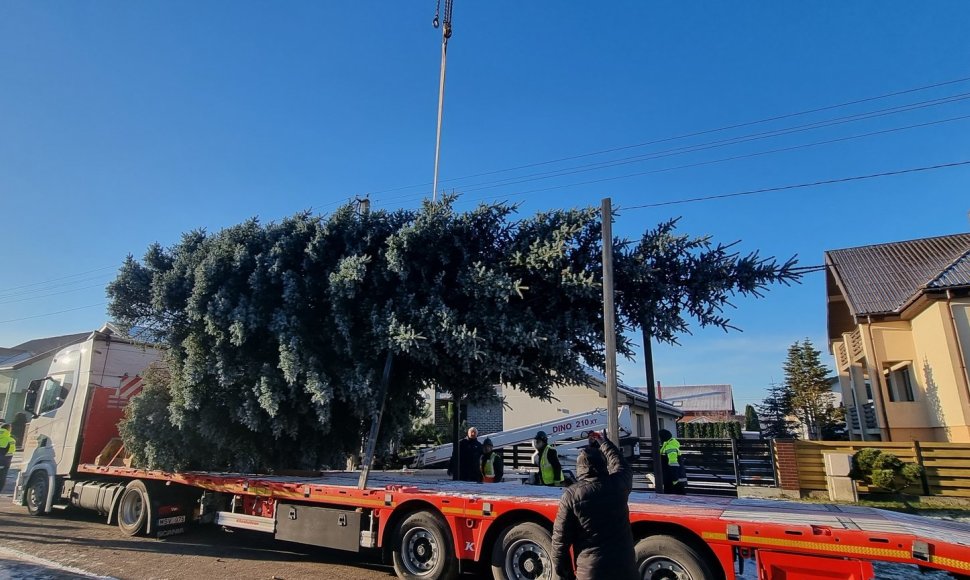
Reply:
x=523, y=552
x=133, y=509
x=667, y=558
x=423, y=549
x=36, y=494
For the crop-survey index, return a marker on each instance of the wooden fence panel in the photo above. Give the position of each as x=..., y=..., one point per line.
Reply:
x=946, y=465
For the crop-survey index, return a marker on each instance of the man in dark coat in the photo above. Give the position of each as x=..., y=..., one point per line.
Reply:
x=594, y=518
x=469, y=458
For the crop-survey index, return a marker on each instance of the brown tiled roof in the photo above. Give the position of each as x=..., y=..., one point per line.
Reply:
x=884, y=278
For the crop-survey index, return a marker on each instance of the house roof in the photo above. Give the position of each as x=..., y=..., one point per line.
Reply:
x=11, y=355
x=885, y=278
x=700, y=398
x=33, y=350
x=598, y=383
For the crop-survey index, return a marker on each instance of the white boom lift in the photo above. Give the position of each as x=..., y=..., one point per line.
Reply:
x=572, y=427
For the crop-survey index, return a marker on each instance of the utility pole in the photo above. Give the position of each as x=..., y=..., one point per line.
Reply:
x=609, y=324
x=445, y=24
x=658, y=472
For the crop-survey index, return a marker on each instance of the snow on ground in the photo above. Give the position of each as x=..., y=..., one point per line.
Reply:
x=17, y=565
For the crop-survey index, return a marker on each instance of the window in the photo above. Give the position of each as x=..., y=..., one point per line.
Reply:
x=641, y=431
x=54, y=391
x=899, y=380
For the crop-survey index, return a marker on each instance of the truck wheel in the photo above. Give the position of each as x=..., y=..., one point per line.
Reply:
x=133, y=509
x=523, y=552
x=667, y=558
x=36, y=494
x=423, y=548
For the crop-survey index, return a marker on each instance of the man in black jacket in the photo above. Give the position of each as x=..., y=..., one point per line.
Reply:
x=468, y=467
x=594, y=517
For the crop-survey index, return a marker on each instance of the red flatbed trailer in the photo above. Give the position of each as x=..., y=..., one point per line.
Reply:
x=788, y=540
x=431, y=527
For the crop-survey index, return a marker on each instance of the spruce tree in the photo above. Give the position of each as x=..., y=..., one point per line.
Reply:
x=775, y=411
x=277, y=334
x=811, y=398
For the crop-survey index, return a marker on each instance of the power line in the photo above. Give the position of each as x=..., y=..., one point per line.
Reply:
x=100, y=278
x=723, y=159
x=696, y=148
x=688, y=135
x=59, y=278
x=52, y=313
x=800, y=185
x=36, y=296
x=714, y=144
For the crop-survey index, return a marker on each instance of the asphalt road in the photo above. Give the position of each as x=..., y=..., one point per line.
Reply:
x=78, y=544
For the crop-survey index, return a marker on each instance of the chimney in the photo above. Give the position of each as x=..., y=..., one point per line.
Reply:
x=660, y=392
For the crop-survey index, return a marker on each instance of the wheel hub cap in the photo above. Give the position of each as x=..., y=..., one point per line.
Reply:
x=663, y=569
x=421, y=551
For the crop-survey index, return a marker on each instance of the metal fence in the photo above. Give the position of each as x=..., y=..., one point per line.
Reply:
x=714, y=466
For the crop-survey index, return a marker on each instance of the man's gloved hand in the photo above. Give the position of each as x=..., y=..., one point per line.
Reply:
x=595, y=439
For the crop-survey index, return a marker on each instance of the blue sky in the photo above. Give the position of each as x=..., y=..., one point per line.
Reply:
x=126, y=123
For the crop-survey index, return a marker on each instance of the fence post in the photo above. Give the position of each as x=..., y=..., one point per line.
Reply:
x=922, y=468
x=786, y=465
x=737, y=463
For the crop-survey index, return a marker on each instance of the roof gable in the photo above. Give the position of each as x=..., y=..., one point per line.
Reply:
x=885, y=278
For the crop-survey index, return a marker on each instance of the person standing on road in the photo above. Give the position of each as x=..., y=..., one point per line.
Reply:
x=469, y=458
x=547, y=460
x=675, y=477
x=8, y=445
x=594, y=517
x=492, y=468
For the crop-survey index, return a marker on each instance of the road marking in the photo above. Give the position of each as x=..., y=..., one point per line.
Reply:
x=31, y=559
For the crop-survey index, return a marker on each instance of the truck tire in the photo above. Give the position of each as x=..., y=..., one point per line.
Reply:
x=423, y=548
x=36, y=494
x=523, y=552
x=665, y=557
x=133, y=508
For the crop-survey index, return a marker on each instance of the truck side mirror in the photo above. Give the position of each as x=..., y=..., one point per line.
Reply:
x=30, y=397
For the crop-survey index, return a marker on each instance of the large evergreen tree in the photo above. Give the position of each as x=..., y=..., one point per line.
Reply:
x=278, y=333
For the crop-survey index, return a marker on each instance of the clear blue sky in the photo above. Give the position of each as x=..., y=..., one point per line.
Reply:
x=124, y=123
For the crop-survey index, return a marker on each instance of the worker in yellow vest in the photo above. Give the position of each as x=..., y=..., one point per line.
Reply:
x=547, y=460
x=675, y=476
x=8, y=445
x=492, y=467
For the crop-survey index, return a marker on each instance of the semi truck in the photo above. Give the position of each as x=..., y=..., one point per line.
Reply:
x=429, y=527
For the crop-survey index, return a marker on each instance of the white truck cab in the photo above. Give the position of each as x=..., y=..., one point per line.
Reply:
x=75, y=411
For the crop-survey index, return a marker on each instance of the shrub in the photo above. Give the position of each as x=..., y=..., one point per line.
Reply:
x=882, y=470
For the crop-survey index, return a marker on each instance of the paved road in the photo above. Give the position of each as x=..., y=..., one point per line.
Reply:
x=77, y=544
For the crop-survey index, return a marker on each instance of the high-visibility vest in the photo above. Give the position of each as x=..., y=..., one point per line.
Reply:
x=671, y=450
x=7, y=443
x=488, y=468
x=546, y=471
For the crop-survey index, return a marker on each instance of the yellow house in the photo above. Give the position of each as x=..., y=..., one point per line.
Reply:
x=899, y=329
